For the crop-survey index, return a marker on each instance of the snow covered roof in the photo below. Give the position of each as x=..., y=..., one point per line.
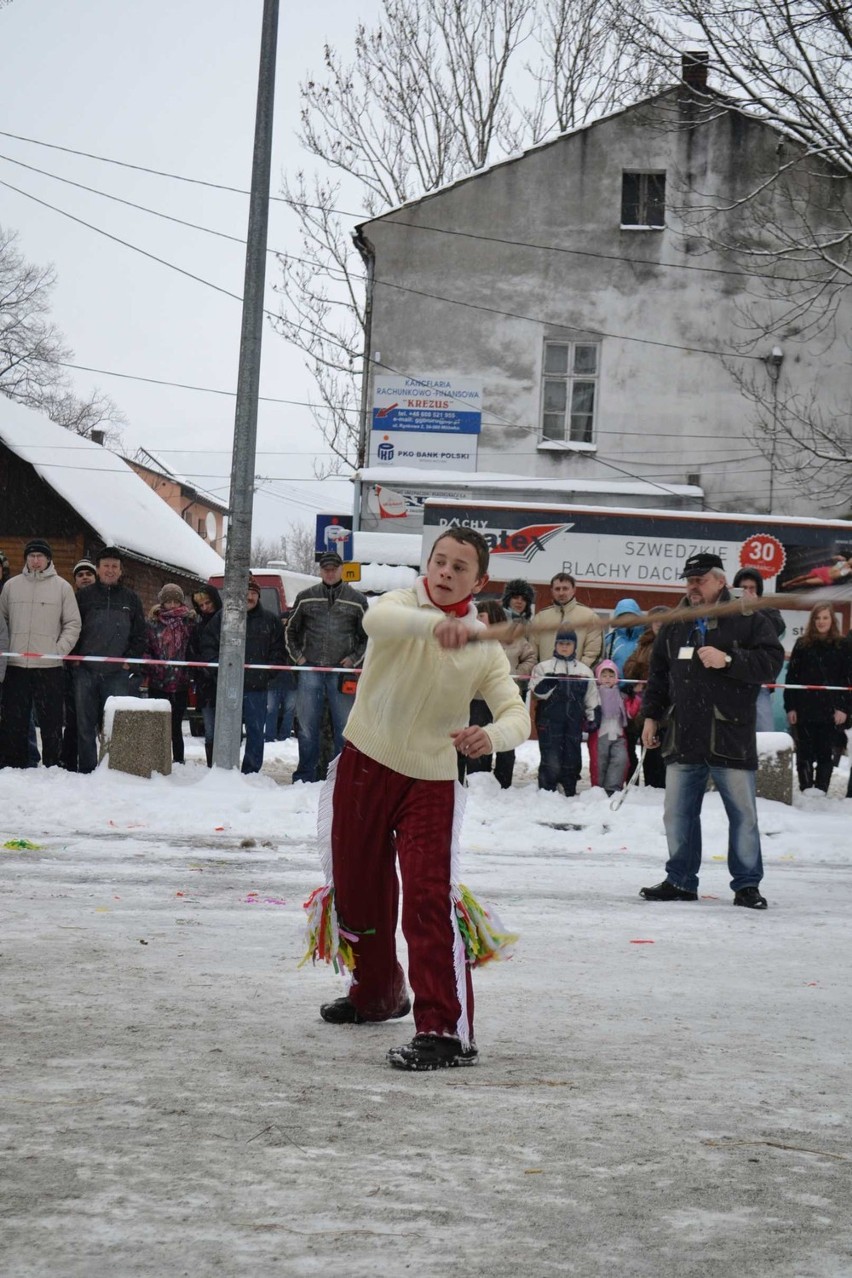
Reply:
x=390, y=477
x=377, y=578
x=105, y=492
x=386, y=548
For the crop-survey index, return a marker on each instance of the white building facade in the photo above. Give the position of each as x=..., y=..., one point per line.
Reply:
x=586, y=289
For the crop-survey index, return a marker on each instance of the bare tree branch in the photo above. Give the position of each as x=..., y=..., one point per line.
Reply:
x=32, y=350
x=433, y=92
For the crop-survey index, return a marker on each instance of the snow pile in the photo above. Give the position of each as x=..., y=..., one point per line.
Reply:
x=771, y=743
x=113, y=704
x=522, y=822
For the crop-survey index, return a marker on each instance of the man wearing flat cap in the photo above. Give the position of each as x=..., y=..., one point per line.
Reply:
x=704, y=679
x=324, y=629
x=42, y=617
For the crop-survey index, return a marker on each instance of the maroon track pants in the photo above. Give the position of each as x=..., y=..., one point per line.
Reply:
x=379, y=815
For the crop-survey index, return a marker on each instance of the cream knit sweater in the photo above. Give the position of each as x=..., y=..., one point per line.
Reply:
x=413, y=693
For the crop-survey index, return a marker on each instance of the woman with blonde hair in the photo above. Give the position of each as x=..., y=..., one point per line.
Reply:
x=818, y=658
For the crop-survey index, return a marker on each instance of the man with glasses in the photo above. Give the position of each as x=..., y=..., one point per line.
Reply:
x=704, y=678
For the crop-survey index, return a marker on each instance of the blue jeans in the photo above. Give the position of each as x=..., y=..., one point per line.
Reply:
x=208, y=717
x=92, y=685
x=685, y=787
x=280, y=705
x=765, y=715
x=254, y=720
x=313, y=689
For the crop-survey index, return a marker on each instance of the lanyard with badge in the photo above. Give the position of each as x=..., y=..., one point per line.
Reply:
x=687, y=650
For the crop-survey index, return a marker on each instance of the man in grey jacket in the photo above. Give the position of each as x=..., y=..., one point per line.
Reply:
x=41, y=614
x=325, y=629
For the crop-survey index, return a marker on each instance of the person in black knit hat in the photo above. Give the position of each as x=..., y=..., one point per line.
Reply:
x=518, y=599
x=750, y=582
x=43, y=623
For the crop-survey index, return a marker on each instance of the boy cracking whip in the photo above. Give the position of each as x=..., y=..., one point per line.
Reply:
x=393, y=794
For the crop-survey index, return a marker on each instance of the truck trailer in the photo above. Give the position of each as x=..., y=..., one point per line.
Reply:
x=615, y=552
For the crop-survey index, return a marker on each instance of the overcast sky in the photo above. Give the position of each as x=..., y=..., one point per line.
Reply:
x=171, y=87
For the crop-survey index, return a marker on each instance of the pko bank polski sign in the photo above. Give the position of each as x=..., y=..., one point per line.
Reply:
x=430, y=423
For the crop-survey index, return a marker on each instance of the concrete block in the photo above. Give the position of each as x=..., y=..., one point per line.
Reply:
x=776, y=766
x=138, y=735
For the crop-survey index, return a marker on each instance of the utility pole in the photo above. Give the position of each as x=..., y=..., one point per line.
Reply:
x=229, y=695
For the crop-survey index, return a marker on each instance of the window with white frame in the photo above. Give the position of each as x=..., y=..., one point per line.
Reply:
x=643, y=200
x=570, y=393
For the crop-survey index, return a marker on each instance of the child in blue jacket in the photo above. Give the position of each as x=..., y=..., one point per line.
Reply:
x=567, y=703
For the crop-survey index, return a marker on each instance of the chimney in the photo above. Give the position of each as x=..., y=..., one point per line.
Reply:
x=693, y=69
x=97, y=436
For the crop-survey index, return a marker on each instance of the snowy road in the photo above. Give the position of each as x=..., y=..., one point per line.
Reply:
x=663, y=1089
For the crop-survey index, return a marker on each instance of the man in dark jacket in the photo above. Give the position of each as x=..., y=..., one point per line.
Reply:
x=264, y=646
x=750, y=582
x=113, y=625
x=706, y=674
x=325, y=629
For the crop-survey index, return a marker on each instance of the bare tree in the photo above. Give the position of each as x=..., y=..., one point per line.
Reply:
x=788, y=225
x=265, y=548
x=434, y=91
x=789, y=61
x=807, y=441
x=301, y=549
x=296, y=548
x=31, y=346
x=33, y=351
x=587, y=66
x=789, y=65
x=84, y=416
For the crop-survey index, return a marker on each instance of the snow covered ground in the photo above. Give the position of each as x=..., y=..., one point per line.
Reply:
x=663, y=1089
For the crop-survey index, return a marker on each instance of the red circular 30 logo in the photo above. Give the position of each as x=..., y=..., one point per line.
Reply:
x=764, y=553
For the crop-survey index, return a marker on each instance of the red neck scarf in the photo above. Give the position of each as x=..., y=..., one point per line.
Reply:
x=459, y=609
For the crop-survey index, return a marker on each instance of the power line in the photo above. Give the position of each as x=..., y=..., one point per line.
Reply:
x=172, y=266
x=406, y=288
x=571, y=328
x=578, y=252
x=123, y=470
x=388, y=218
x=340, y=344
x=516, y=452
x=168, y=217
x=209, y=390
x=140, y=168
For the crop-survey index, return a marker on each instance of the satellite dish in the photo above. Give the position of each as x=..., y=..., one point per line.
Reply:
x=210, y=525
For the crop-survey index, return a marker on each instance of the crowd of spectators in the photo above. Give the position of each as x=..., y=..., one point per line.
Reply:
x=584, y=681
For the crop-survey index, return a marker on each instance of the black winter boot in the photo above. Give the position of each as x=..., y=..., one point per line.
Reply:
x=208, y=751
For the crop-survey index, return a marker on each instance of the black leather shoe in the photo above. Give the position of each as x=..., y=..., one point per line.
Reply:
x=432, y=1051
x=342, y=1012
x=750, y=897
x=666, y=891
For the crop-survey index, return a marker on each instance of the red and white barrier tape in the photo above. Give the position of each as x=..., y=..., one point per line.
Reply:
x=350, y=670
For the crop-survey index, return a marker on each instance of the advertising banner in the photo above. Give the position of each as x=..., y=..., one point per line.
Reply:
x=606, y=547
x=431, y=423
